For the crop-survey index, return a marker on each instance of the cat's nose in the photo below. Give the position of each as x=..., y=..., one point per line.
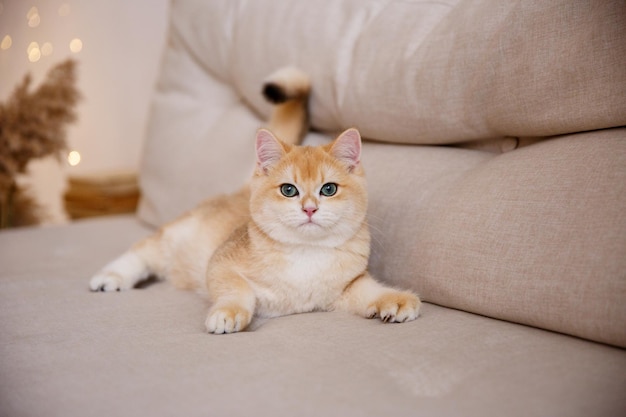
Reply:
x=309, y=211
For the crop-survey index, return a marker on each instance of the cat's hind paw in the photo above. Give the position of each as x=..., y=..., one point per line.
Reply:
x=229, y=319
x=395, y=307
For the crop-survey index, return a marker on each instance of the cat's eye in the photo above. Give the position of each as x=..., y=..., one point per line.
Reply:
x=329, y=189
x=288, y=190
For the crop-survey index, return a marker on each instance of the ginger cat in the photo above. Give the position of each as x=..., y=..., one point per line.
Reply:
x=294, y=240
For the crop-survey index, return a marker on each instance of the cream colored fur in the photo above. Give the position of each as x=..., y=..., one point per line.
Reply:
x=267, y=252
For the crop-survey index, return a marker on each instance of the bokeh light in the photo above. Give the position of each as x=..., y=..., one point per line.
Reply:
x=73, y=158
x=76, y=45
x=33, y=51
x=6, y=43
x=33, y=17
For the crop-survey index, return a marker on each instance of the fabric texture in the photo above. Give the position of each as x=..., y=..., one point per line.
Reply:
x=534, y=236
x=65, y=351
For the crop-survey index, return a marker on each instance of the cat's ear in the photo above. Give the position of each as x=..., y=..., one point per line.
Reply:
x=347, y=148
x=269, y=150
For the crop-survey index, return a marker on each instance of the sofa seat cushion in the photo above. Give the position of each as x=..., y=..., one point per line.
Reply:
x=67, y=351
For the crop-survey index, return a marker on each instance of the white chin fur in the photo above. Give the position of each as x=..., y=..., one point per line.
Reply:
x=316, y=233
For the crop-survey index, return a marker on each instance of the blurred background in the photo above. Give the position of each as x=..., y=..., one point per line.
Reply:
x=117, y=45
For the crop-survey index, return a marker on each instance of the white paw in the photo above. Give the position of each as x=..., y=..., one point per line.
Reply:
x=120, y=274
x=106, y=281
x=227, y=320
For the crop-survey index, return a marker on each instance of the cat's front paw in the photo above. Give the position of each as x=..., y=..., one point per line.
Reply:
x=395, y=307
x=106, y=281
x=229, y=319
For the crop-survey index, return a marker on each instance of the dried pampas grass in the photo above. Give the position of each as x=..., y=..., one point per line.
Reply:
x=33, y=125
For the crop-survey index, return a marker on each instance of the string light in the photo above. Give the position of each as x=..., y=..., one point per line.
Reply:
x=33, y=51
x=33, y=17
x=6, y=42
x=73, y=158
x=31, y=46
x=76, y=45
x=34, y=55
x=32, y=12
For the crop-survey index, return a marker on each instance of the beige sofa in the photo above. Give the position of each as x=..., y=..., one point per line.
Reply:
x=496, y=161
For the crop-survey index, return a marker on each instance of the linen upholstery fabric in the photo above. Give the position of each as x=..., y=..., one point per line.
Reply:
x=536, y=235
x=65, y=351
x=421, y=71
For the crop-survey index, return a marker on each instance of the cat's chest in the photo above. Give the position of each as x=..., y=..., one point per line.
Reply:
x=303, y=280
x=306, y=268
x=309, y=260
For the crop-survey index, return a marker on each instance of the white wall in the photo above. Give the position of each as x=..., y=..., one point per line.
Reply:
x=122, y=43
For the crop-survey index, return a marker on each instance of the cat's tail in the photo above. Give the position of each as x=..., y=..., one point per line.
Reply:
x=288, y=88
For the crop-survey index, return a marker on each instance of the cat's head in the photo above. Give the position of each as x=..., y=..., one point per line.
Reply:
x=309, y=195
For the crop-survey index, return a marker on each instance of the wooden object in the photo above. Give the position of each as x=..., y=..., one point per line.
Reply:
x=101, y=194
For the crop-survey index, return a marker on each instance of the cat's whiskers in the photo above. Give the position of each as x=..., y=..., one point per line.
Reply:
x=374, y=236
